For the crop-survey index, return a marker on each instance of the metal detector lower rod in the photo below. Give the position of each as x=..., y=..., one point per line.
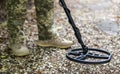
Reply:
x=71, y=21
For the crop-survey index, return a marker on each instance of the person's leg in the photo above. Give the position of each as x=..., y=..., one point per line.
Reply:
x=44, y=12
x=16, y=11
x=45, y=21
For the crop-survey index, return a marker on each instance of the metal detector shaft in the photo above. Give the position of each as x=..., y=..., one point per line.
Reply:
x=87, y=53
x=71, y=21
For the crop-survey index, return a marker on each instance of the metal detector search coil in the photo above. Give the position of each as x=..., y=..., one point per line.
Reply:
x=84, y=54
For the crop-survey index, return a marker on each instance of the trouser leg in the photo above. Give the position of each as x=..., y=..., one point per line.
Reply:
x=16, y=17
x=45, y=18
x=16, y=11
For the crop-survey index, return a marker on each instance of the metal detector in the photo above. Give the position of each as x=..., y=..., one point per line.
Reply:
x=84, y=55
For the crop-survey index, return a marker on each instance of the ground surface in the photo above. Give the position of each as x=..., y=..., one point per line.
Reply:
x=98, y=21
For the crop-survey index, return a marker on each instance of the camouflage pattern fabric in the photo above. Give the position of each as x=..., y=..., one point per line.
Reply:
x=16, y=12
x=16, y=16
x=45, y=17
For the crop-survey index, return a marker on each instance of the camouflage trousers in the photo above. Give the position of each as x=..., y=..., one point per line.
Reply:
x=16, y=13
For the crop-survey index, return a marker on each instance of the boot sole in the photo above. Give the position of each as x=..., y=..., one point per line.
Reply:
x=48, y=45
x=19, y=54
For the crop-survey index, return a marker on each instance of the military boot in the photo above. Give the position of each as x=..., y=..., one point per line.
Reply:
x=19, y=50
x=55, y=42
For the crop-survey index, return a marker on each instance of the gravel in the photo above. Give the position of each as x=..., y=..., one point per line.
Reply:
x=87, y=16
